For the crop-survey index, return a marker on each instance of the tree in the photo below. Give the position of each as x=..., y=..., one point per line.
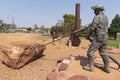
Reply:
x=1, y=21
x=1, y=25
x=51, y=30
x=13, y=26
x=29, y=29
x=59, y=25
x=4, y=27
x=114, y=26
x=42, y=29
x=69, y=21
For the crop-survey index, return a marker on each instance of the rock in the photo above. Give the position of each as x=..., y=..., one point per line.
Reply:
x=63, y=67
x=78, y=77
x=53, y=76
x=56, y=75
x=66, y=61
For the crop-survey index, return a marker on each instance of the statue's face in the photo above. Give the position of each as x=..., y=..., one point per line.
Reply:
x=96, y=11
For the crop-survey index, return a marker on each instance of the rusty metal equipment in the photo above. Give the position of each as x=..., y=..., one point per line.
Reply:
x=74, y=37
x=76, y=40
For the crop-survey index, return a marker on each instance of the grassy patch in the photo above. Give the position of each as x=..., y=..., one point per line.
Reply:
x=113, y=43
x=44, y=37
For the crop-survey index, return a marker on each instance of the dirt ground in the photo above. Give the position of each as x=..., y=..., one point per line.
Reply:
x=39, y=69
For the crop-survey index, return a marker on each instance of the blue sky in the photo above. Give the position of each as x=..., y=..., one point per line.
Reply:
x=48, y=12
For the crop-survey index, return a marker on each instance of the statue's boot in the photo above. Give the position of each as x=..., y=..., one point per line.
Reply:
x=106, y=63
x=90, y=67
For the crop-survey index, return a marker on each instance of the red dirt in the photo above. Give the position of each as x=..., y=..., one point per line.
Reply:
x=38, y=70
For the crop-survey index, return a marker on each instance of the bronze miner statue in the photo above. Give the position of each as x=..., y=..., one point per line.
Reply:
x=98, y=28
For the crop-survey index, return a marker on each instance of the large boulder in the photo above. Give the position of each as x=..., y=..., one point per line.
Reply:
x=17, y=56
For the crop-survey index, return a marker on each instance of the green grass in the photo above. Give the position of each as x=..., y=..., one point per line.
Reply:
x=113, y=43
x=45, y=37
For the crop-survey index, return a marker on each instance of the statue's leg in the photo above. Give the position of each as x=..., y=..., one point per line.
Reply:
x=105, y=57
x=90, y=67
x=94, y=46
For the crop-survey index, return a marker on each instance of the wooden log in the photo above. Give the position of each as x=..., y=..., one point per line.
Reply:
x=18, y=56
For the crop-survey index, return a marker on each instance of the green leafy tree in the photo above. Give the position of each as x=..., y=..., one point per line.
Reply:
x=5, y=27
x=69, y=21
x=1, y=25
x=51, y=30
x=114, y=27
x=29, y=29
